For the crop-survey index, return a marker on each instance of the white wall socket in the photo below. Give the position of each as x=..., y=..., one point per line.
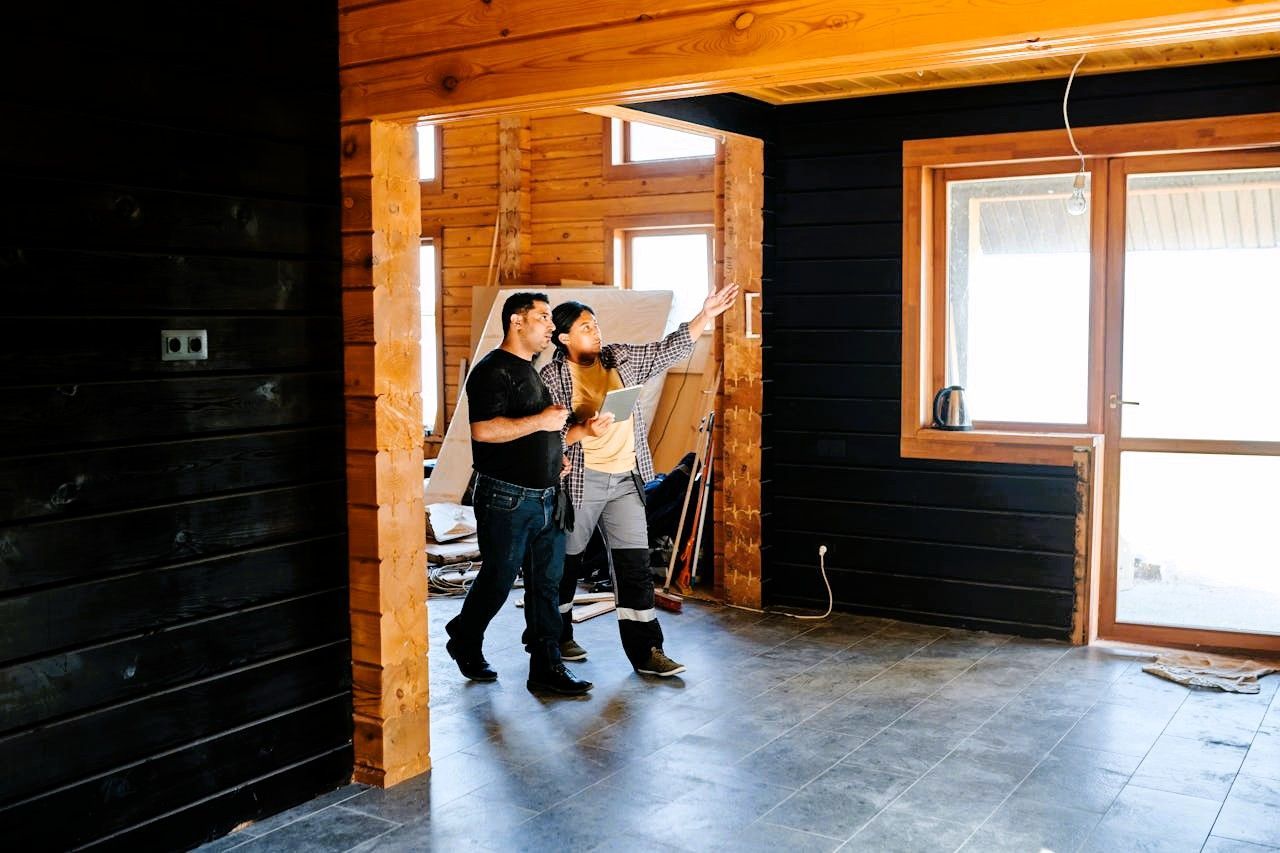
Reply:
x=184, y=344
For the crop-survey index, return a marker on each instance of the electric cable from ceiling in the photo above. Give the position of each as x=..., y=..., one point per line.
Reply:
x=1077, y=203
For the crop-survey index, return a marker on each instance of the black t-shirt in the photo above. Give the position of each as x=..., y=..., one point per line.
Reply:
x=502, y=385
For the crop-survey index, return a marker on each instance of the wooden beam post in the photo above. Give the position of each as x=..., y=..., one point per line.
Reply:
x=514, y=203
x=739, y=200
x=382, y=228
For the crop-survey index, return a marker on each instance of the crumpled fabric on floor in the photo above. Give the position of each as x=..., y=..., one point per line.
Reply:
x=1196, y=670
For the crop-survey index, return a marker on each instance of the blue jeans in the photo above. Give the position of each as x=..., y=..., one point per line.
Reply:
x=514, y=528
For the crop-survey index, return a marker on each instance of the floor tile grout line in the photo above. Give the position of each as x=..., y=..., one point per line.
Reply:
x=892, y=666
x=970, y=734
x=842, y=696
x=1128, y=779
x=1056, y=744
x=376, y=837
x=794, y=676
x=310, y=814
x=1222, y=805
x=895, y=721
x=794, y=829
x=853, y=689
x=605, y=778
x=724, y=713
x=863, y=684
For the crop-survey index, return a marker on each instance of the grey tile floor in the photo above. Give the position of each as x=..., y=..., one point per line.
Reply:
x=850, y=734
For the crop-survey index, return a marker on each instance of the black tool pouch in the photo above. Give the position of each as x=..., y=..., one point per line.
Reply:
x=563, y=514
x=639, y=483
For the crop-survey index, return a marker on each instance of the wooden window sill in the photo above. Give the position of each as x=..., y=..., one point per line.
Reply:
x=1022, y=448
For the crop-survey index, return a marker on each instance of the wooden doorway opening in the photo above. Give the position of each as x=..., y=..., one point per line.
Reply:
x=382, y=233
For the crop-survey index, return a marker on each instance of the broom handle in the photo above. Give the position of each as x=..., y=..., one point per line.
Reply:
x=689, y=554
x=686, y=553
x=702, y=520
x=684, y=509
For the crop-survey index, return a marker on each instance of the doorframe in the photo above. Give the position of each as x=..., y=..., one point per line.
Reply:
x=1118, y=170
x=381, y=232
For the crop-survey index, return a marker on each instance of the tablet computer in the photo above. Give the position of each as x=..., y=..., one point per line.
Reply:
x=621, y=401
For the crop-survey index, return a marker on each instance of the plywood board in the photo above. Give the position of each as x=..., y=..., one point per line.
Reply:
x=627, y=316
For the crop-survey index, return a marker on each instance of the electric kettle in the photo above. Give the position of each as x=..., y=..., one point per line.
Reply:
x=949, y=411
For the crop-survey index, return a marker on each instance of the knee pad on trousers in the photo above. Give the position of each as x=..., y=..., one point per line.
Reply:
x=633, y=582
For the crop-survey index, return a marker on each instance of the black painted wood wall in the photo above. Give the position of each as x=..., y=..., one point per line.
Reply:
x=983, y=546
x=174, y=636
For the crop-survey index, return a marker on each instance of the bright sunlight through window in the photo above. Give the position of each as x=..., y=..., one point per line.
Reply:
x=645, y=143
x=428, y=169
x=1018, y=300
x=679, y=262
x=430, y=344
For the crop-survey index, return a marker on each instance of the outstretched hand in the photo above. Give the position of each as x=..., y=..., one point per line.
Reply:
x=719, y=302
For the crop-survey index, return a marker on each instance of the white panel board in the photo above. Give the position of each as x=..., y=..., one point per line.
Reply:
x=625, y=316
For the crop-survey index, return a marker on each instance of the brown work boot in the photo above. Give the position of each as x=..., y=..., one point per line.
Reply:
x=570, y=650
x=659, y=664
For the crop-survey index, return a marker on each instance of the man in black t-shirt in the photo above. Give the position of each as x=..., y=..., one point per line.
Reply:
x=519, y=460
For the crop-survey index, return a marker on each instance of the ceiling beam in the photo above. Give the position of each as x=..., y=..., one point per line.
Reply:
x=591, y=56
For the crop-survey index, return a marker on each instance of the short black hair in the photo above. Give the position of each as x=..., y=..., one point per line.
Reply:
x=518, y=303
x=564, y=316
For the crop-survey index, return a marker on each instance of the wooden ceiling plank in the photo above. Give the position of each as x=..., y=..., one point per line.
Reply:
x=424, y=27
x=781, y=41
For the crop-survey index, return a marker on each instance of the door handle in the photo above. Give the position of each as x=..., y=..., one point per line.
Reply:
x=1115, y=402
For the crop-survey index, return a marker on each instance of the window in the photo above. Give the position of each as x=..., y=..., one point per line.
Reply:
x=641, y=142
x=1016, y=299
x=429, y=290
x=429, y=155
x=1025, y=305
x=679, y=259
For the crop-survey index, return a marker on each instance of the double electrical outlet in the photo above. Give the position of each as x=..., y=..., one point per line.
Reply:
x=184, y=344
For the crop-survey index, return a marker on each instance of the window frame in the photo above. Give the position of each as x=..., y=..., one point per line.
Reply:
x=621, y=230
x=1097, y=249
x=434, y=236
x=436, y=184
x=617, y=136
x=926, y=163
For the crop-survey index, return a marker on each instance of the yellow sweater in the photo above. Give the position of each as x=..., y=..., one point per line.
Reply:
x=615, y=451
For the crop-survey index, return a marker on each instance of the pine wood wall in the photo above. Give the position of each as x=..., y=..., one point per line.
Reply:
x=572, y=202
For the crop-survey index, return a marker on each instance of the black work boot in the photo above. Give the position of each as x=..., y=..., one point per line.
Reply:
x=548, y=672
x=638, y=624
x=471, y=662
x=557, y=679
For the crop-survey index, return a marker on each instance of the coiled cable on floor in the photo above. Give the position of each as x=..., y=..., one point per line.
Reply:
x=450, y=579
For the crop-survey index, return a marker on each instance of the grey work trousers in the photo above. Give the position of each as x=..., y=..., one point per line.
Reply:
x=613, y=502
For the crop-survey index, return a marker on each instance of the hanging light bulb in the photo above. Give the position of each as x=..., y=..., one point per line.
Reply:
x=1078, y=203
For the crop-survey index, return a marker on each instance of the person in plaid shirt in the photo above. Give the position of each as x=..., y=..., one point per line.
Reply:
x=609, y=464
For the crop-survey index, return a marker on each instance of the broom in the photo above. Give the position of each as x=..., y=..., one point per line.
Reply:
x=693, y=547
x=664, y=598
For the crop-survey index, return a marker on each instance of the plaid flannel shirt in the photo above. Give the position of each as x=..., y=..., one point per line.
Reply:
x=636, y=364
